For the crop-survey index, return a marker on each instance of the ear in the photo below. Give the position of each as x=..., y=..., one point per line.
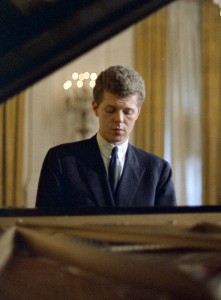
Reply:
x=138, y=113
x=95, y=107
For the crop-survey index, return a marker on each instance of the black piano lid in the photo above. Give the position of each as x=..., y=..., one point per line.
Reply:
x=39, y=36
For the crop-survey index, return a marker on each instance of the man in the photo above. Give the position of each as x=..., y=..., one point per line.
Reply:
x=76, y=175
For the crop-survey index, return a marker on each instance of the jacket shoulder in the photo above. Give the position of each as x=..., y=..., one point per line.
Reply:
x=145, y=156
x=73, y=148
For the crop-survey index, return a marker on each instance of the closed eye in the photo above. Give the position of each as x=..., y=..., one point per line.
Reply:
x=128, y=111
x=110, y=109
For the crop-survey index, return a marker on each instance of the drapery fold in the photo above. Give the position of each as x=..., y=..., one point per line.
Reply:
x=11, y=152
x=150, y=43
x=185, y=92
x=166, y=56
x=183, y=100
x=211, y=102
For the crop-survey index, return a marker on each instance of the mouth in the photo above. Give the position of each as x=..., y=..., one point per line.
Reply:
x=118, y=130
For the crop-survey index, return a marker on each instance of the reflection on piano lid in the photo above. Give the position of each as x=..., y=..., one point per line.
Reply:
x=39, y=36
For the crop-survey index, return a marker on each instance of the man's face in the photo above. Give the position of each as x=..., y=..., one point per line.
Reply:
x=117, y=117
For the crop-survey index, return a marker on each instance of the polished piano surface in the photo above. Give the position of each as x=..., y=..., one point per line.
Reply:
x=113, y=255
x=38, y=37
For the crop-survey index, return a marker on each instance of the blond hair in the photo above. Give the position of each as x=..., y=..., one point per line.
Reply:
x=119, y=80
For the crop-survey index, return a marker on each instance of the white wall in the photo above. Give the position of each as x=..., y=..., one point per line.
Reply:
x=48, y=121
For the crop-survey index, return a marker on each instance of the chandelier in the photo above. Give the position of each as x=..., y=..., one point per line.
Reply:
x=79, y=96
x=81, y=86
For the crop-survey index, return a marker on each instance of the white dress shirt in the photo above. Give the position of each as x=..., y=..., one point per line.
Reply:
x=106, y=149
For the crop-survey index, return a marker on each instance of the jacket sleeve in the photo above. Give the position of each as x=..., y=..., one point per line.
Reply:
x=165, y=193
x=49, y=193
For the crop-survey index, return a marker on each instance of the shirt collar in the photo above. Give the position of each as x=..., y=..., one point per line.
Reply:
x=106, y=148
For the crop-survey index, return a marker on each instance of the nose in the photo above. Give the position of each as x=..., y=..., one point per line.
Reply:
x=119, y=116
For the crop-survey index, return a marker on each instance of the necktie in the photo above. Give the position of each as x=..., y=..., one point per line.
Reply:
x=114, y=169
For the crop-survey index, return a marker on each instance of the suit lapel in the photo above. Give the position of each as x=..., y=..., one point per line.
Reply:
x=130, y=179
x=97, y=177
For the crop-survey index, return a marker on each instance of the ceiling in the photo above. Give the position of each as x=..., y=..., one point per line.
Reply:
x=39, y=36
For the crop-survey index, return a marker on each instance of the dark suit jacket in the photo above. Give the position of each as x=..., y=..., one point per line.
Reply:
x=73, y=175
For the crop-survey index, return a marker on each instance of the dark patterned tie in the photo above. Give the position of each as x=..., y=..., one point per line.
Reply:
x=114, y=170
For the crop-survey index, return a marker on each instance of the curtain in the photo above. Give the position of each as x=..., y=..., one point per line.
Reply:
x=167, y=48
x=150, y=46
x=183, y=100
x=11, y=152
x=211, y=102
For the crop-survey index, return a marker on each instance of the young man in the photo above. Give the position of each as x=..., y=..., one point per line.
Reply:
x=76, y=175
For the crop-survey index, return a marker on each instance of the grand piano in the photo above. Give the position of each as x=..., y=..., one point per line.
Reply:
x=101, y=254
x=38, y=37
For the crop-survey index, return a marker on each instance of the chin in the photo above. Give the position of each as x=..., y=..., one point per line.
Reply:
x=118, y=141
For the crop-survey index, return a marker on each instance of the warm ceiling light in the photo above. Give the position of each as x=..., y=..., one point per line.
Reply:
x=67, y=85
x=75, y=75
x=80, y=83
